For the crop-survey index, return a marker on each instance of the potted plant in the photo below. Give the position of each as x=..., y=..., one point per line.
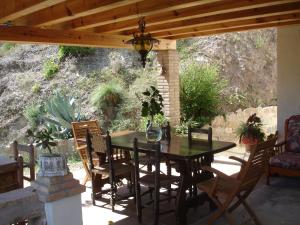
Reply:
x=250, y=133
x=50, y=164
x=152, y=104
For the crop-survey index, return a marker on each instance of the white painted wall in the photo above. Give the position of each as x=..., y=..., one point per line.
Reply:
x=288, y=64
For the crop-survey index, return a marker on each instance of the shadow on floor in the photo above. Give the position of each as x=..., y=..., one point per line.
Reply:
x=278, y=204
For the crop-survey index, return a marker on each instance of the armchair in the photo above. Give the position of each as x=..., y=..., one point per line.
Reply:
x=285, y=158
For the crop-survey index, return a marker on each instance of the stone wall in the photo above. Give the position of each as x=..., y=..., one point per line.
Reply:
x=225, y=128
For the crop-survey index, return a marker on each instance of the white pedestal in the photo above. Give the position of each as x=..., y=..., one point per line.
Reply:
x=62, y=198
x=66, y=211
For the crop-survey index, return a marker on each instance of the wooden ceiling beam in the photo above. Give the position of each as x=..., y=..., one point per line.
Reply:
x=226, y=17
x=13, y=9
x=240, y=23
x=236, y=29
x=70, y=10
x=189, y=13
x=21, y=34
x=137, y=10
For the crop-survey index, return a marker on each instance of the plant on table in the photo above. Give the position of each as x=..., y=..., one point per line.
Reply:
x=250, y=132
x=152, y=105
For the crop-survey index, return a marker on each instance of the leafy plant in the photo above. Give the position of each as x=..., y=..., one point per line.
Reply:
x=158, y=119
x=75, y=51
x=107, y=98
x=33, y=113
x=36, y=88
x=43, y=138
x=252, y=129
x=152, y=103
x=50, y=68
x=183, y=127
x=201, y=93
x=61, y=112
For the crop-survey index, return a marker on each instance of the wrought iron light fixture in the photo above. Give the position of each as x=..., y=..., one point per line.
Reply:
x=142, y=43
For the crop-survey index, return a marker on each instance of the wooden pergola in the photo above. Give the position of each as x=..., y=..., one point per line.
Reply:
x=108, y=23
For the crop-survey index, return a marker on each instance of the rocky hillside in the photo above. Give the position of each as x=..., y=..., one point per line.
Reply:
x=246, y=59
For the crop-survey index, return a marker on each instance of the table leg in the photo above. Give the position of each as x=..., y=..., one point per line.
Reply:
x=185, y=180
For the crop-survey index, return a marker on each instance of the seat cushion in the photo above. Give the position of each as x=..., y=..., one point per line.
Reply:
x=293, y=135
x=149, y=180
x=289, y=160
x=119, y=169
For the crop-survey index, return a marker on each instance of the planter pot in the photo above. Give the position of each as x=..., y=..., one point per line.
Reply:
x=52, y=165
x=250, y=143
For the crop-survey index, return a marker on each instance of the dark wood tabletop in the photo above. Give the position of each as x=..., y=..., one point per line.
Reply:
x=178, y=146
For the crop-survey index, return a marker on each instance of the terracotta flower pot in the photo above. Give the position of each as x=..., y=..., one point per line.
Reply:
x=250, y=143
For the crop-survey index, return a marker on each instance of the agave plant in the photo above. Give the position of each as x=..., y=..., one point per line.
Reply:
x=61, y=112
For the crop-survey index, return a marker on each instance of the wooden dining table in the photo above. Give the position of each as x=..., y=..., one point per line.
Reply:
x=179, y=150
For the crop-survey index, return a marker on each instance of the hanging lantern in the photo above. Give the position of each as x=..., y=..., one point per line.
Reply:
x=142, y=43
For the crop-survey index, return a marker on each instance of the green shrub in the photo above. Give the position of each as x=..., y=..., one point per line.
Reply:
x=107, y=95
x=6, y=47
x=200, y=93
x=107, y=98
x=36, y=88
x=50, y=68
x=159, y=119
x=33, y=114
x=67, y=51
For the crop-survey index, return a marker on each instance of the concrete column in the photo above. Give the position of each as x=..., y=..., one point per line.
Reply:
x=62, y=198
x=288, y=83
x=168, y=84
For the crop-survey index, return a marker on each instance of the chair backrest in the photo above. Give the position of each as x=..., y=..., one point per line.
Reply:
x=11, y=175
x=255, y=167
x=166, y=132
x=195, y=130
x=292, y=134
x=80, y=128
x=96, y=143
x=79, y=133
x=27, y=152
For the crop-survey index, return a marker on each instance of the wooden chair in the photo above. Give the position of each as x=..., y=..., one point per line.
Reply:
x=224, y=189
x=11, y=175
x=79, y=133
x=21, y=150
x=196, y=164
x=285, y=157
x=114, y=165
x=153, y=180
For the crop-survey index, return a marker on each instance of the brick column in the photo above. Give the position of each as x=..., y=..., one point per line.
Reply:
x=168, y=84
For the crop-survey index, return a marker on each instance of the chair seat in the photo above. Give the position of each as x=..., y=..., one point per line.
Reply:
x=288, y=160
x=165, y=181
x=119, y=169
x=223, y=186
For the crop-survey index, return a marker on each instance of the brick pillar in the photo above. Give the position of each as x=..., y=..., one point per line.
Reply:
x=168, y=84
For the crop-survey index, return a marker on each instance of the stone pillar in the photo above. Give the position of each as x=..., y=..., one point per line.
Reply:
x=168, y=84
x=62, y=198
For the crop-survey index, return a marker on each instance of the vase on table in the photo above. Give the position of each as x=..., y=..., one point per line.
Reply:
x=153, y=132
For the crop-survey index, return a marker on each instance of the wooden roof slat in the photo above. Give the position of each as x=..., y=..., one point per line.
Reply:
x=12, y=9
x=23, y=34
x=239, y=23
x=71, y=10
x=226, y=17
x=236, y=29
x=137, y=10
x=189, y=13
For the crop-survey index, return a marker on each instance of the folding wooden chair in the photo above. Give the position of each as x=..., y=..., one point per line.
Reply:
x=27, y=152
x=228, y=192
x=79, y=132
